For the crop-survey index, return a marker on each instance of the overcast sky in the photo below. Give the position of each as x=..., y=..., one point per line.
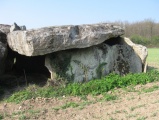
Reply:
x=41, y=13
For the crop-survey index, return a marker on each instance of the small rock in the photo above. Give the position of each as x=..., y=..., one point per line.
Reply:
x=14, y=27
x=5, y=105
x=23, y=27
x=109, y=92
x=20, y=107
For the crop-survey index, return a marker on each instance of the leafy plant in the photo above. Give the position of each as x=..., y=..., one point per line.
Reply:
x=139, y=106
x=94, y=87
x=142, y=118
x=109, y=97
x=1, y=117
x=70, y=104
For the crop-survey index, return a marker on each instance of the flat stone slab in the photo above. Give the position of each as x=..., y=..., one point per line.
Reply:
x=46, y=40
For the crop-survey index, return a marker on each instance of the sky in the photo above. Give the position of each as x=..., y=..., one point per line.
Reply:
x=43, y=13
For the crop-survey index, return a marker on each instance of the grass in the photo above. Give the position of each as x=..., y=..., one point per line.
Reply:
x=151, y=89
x=153, y=55
x=154, y=114
x=1, y=117
x=70, y=104
x=142, y=118
x=81, y=105
x=132, y=115
x=109, y=97
x=22, y=114
x=135, y=107
x=94, y=87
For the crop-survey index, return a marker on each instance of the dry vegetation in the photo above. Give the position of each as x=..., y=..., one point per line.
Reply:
x=143, y=32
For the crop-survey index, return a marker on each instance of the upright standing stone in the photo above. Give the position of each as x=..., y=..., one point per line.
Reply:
x=94, y=62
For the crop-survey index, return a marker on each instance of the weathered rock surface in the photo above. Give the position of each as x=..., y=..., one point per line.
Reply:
x=3, y=52
x=140, y=50
x=23, y=27
x=93, y=62
x=15, y=27
x=51, y=39
x=4, y=28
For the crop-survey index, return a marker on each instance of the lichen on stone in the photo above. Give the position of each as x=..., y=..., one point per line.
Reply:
x=60, y=65
x=99, y=69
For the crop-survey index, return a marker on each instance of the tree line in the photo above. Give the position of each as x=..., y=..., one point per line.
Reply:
x=144, y=32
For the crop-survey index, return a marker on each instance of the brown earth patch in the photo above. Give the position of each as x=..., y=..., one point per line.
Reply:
x=133, y=103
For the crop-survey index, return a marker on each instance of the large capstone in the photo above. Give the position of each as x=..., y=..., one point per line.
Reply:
x=85, y=64
x=51, y=39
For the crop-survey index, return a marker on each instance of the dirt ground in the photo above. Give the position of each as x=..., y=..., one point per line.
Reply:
x=133, y=103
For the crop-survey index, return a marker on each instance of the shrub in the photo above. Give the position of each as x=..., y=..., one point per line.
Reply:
x=153, y=42
x=140, y=40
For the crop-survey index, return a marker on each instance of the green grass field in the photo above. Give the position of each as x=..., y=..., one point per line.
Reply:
x=153, y=57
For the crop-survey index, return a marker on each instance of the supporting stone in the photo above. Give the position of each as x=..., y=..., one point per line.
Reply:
x=3, y=52
x=94, y=62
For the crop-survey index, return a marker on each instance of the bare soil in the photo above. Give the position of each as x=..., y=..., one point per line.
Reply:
x=132, y=103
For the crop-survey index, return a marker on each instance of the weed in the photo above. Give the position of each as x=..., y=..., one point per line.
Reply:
x=18, y=113
x=130, y=88
x=34, y=111
x=151, y=89
x=22, y=117
x=87, y=103
x=109, y=97
x=74, y=105
x=116, y=112
x=155, y=102
x=139, y=106
x=132, y=115
x=131, y=98
x=84, y=97
x=94, y=87
x=70, y=104
x=56, y=108
x=142, y=118
x=154, y=114
x=1, y=117
x=112, y=119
